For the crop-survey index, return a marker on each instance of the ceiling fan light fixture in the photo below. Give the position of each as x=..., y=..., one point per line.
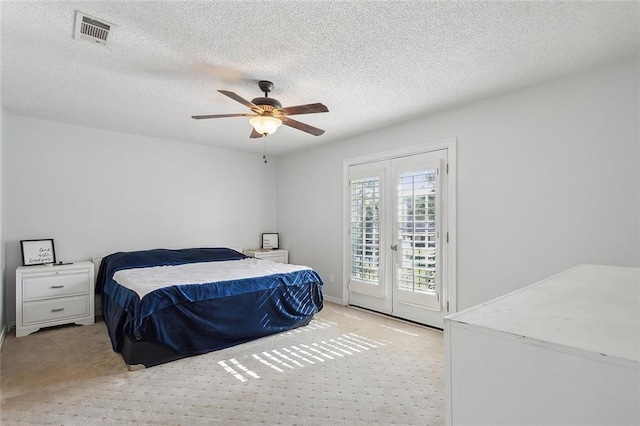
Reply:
x=265, y=124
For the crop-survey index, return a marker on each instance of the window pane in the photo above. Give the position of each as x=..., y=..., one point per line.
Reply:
x=365, y=230
x=416, y=211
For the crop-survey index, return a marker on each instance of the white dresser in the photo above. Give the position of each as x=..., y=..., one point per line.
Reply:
x=562, y=351
x=281, y=256
x=53, y=295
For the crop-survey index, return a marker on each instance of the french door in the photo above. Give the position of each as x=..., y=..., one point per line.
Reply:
x=397, y=231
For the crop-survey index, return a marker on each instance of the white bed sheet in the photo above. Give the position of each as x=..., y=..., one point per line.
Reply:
x=145, y=280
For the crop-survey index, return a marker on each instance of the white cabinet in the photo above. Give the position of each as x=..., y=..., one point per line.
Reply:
x=562, y=351
x=281, y=256
x=53, y=295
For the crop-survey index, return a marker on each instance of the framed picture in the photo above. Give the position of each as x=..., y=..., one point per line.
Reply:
x=38, y=252
x=270, y=241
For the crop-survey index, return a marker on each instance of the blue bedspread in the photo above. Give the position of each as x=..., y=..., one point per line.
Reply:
x=199, y=318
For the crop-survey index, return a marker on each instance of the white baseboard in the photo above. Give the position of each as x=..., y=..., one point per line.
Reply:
x=334, y=300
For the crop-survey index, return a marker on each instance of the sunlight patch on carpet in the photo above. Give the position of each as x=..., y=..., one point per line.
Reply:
x=298, y=356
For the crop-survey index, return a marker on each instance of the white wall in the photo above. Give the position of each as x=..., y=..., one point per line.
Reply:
x=3, y=320
x=96, y=192
x=547, y=179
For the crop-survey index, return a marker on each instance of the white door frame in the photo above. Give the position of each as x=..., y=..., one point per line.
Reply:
x=449, y=292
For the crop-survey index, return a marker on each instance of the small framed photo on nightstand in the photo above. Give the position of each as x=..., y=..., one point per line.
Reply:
x=270, y=241
x=38, y=252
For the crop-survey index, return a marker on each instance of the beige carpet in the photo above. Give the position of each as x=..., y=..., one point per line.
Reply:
x=347, y=367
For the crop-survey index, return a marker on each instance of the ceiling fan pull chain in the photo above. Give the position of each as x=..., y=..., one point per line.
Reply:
x=264, y=150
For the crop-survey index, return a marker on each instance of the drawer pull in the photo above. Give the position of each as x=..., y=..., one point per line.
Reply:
x=57, y=310
x=57, y=286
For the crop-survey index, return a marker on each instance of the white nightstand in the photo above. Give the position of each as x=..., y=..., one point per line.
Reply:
x=281, y=256
x=53, y=295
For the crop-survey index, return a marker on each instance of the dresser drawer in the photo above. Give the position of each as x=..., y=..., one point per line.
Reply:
x=60, y=284
x=54, y=309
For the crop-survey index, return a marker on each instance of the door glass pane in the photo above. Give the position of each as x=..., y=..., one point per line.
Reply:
x=365, y=230
x=417, y=231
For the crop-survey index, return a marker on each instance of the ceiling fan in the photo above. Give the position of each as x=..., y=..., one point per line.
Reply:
x=268, y=114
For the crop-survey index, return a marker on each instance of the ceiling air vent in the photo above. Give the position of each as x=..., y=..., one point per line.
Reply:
x=91, y=29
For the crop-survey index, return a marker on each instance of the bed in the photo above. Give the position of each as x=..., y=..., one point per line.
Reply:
x=161, y=305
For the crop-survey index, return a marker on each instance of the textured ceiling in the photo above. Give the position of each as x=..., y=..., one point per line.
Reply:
x=371, y=63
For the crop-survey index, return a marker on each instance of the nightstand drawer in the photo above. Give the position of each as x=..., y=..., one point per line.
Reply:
x=54, y=285
x=274, y=257
x=48, y=310
x=279, y=255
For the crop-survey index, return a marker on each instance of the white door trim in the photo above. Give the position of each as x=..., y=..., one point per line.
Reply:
x=450, y=289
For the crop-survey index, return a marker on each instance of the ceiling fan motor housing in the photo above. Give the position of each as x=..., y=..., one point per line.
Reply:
x=266, y=102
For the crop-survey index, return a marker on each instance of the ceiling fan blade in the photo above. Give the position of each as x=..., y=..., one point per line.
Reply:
x=242, y=100
x=200, y=117
x=255, y=134
x=301, y=126
x=304, y=109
